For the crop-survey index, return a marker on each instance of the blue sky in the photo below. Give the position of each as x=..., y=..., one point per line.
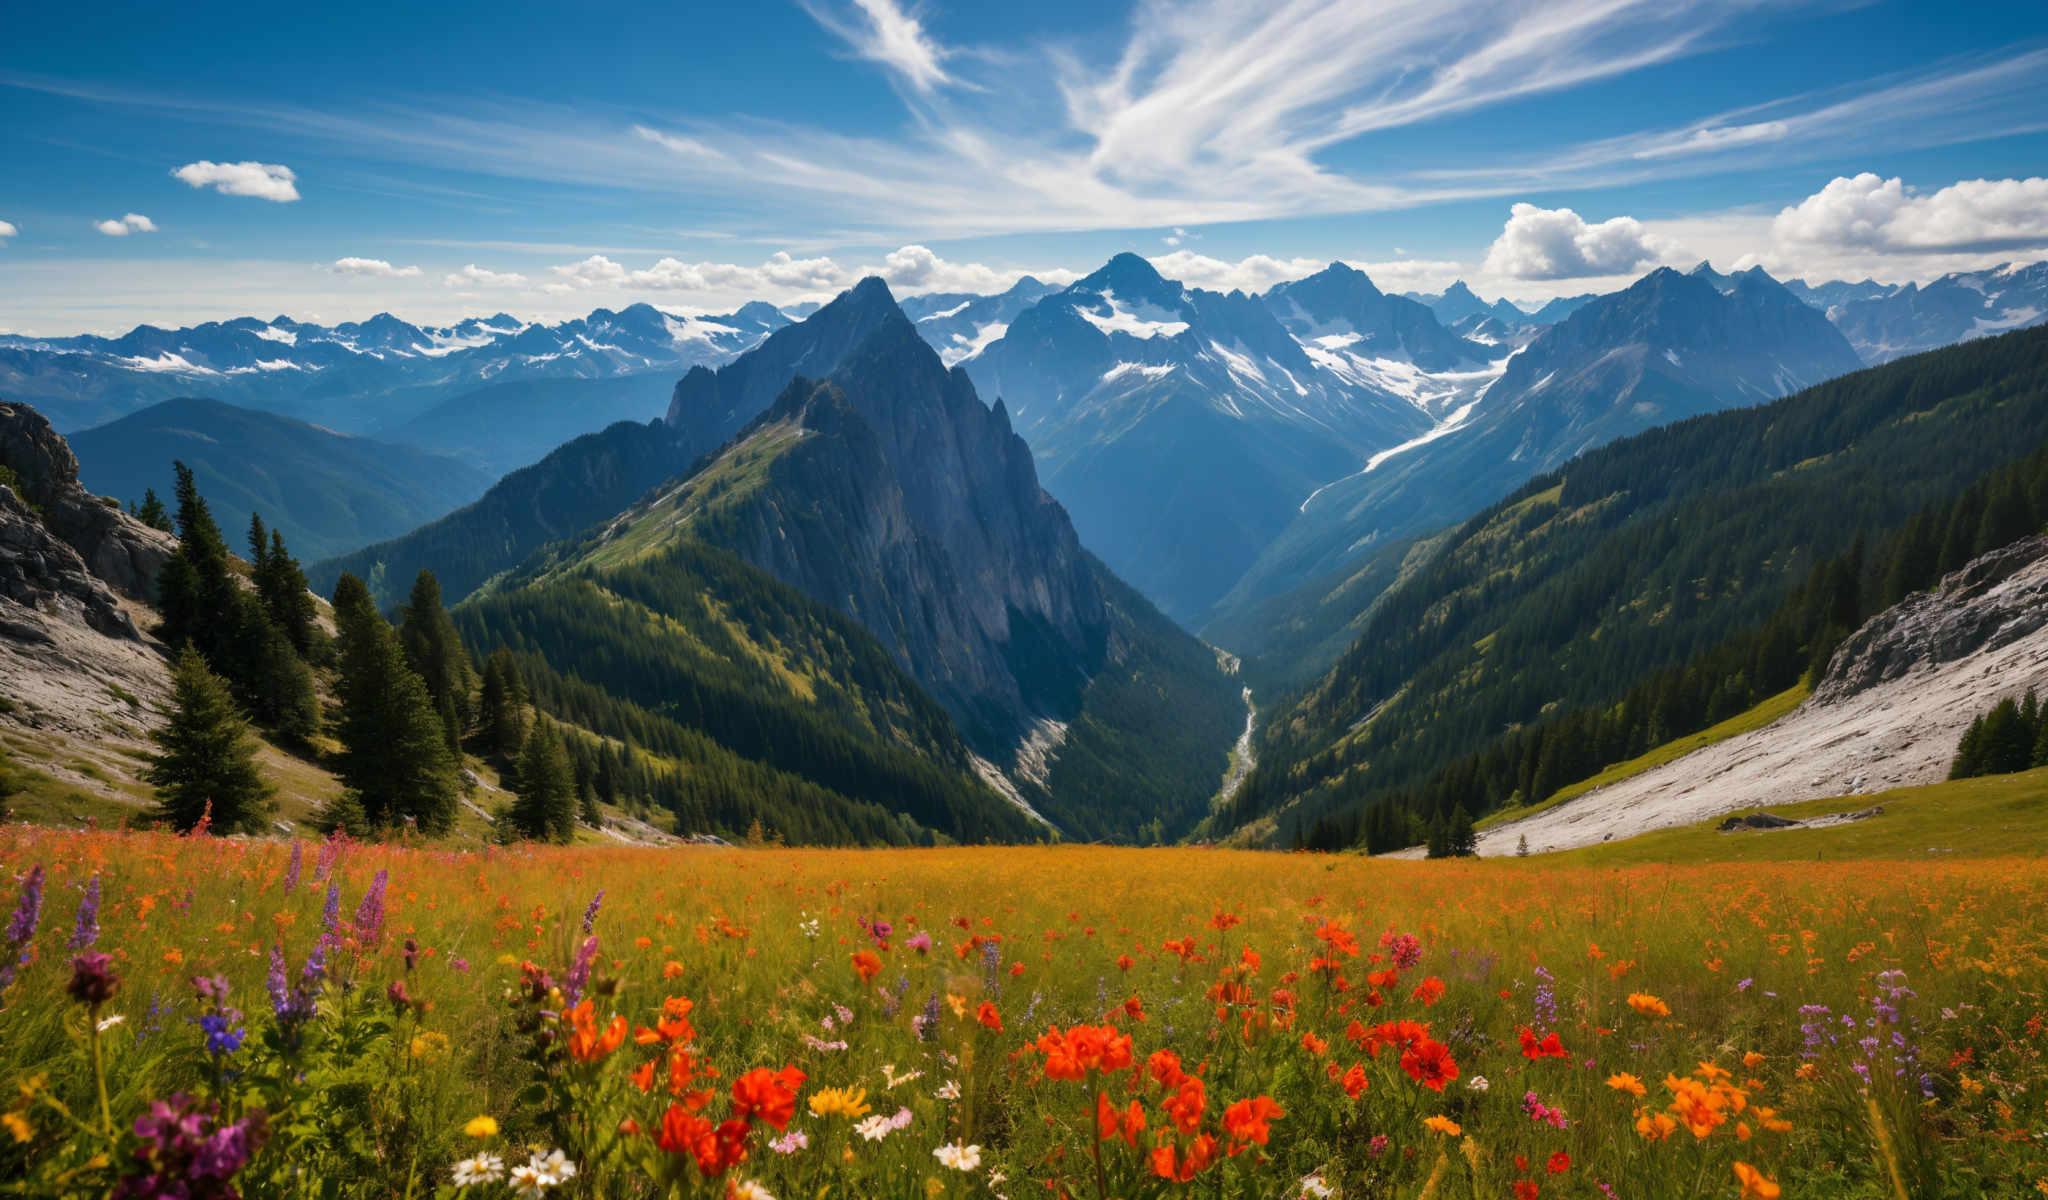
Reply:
x=180, y=163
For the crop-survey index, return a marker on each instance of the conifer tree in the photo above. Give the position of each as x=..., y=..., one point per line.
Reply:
x=546, y=808
x=152, y=512
x=286, y=596
x=2008, y=741
x=394, y=748
x=206, y=756
x=1460, y=840
x=435, y=650
x=502, y=705
x=196, y=588
x=271, y=680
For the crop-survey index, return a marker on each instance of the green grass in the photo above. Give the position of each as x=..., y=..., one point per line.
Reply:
x=1990, y=816
x=1756, y=718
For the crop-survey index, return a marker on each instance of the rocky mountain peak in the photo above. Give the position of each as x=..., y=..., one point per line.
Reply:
x=120, y=550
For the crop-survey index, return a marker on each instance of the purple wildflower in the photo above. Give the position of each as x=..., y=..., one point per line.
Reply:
x=991, y=962
x=187, y=1153
x=1545, y=1000
x=927, y=1023
x=578, y=977
x=369, y=921
x=93, y=981
x=28, y=912
x=291, y=874
x=88, y=929
x=330, y=914
x=590, y=913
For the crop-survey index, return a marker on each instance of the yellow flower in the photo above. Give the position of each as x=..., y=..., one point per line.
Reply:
x=429, y=1047
x=843, y=1102
x=1443, y=1125
x=18, y=1126
x=1648, y=1005
x=481, y=1127
x=1624, y=1082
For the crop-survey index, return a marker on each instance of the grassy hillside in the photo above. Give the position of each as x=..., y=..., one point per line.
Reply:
x=326, y=492
x=1637, y=557
x=1991, y=816
x=754, y=701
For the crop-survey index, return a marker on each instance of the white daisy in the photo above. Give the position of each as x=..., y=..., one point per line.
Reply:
x=958, y=1157
x=528, y=1182
x=1478, y=1083
x=874, y=1128
x=949, y=1092
x=747, y=1189
x=484, y=1168
x=1315, y=1187
x=555, y=1168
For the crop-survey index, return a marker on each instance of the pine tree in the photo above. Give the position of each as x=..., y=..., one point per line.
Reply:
x=546, y=808
x=1461, y=840
x=394, y=749
x=270, y=679
x=152, y=512
x=259, y=546
x=206, y=756
x=1969, y=759
x=502, y=705
x=1522, y=846
x=435, y=651
x=2008, y=741
x=282, y=585
x=196, y=588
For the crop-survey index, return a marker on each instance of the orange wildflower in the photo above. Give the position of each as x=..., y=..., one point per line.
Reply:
x=1648, y=1005
x=1755, y=1184
x=868, y=963
x=1246, y=1119
x=1444, y=1125
x=987, y=1015
x=586, y=1042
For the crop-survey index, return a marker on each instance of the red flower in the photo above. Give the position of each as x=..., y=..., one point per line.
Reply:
x=1185, y=1106
x=989, y=1017
x=1084, y=1048
x=1560, y=1162
x=868, y=963
x=1525, y=1190
x=1110, y=1123
x=1429, y=991
x=1429, y=1063
x=1355, y=1082
x=1548, y=1047
x=768, y=1095
x=1246, y=1119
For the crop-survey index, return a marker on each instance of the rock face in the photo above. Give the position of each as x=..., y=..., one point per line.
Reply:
x=47, y=578
x=905, y=502
x=1896, y=699
x=121, y=551
x=1989, y=604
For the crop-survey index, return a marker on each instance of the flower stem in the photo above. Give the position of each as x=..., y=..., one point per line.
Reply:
x=99, y=1070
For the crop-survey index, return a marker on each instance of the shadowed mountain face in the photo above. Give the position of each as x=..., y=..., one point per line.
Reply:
x=889, y=491
x=595, y=476
x=1669, y=347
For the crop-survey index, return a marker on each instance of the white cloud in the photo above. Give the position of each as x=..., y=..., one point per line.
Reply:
x=123, y=226
x=1557, y=243
x=883, y=32
x=1869, y=213
x=376, y=268
x=1253, y=273
x=475, y=276
x=7, y=230
x=1707, y=139
x=265, y=181
x=783, y=277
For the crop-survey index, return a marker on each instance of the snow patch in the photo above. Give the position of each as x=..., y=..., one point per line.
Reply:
x=965, y=347
x=1144, y=321
x=1148, y=370
x=166, y=362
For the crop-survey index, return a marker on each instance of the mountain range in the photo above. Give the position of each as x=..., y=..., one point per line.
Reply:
x=326, y=492
x=381, y=375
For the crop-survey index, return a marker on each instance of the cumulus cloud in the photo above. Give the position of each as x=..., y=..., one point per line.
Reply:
x=375, y=268
x=1869, y=213
x=908, y=269
x=475, y=276
x=1557, y=243
x=7, y=230
x=1253, y=273
x=123, y=226
x=265, y=181
x=881, y=31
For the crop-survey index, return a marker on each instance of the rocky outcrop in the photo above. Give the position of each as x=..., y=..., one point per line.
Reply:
x=43, y=579
x=115, y=547
x=1989, y=604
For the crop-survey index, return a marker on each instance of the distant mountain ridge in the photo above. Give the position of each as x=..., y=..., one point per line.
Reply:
x=360, y=377
x=1181, y=427
x=1668, y=347
x=326, y=492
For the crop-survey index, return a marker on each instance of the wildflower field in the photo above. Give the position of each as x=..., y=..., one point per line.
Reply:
x=203, y=1017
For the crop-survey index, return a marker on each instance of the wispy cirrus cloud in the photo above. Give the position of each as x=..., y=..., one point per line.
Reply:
x=884, y=32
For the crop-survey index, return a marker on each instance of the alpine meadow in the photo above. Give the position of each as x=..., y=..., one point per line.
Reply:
x=902, y=599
